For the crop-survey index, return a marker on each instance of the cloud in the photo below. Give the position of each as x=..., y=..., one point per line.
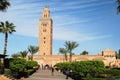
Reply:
x=67, y=34
x=25, y=15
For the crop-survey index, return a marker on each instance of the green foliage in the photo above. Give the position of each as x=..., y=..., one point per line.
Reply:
x=63, y=51
x=29, y=72
x=6, y=62
x=18, y=65
x=1, y=64
x=88, y=70
x=94, y=79
x=4, y=5
x=118, y=8
x=118, y=54
x=82, y=68
x=31, y=64
x=33, y=50
x=6, y=28
x=113, y=72
x=23, y=54
x=70, y=46
x=16, y=55
x=7, y=72
x=64, y=66
x=84, y=53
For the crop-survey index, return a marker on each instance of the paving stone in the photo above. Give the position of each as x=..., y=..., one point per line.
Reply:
x=47, y=75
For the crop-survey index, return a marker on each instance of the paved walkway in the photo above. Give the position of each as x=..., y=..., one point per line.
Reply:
x=46, y=75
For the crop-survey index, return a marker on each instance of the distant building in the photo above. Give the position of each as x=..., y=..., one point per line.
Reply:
x=45, y=57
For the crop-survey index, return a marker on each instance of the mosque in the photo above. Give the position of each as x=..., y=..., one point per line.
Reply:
x=45, y=56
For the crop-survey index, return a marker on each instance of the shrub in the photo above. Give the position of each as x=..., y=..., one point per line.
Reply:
x=31, y=64
x=64, y=66
x=6, y=62
x=29, y=72
x=94, y=79
x=7, y=71
x=1, y=64
x=1, y=68
x=85, y=67
x=18, y=65
x=112, y=72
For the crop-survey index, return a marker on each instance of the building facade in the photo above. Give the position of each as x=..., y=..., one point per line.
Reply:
x=45, y=56
x=45, y=33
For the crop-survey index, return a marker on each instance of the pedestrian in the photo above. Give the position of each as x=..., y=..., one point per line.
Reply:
x=52, y=70
x=67, y=73
x=38, y=66
x=42, y=67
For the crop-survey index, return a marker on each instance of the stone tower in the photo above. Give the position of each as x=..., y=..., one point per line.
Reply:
x=45, y=33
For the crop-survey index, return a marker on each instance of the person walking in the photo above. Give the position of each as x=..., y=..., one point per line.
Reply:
x=67, y=73
x=52, y=70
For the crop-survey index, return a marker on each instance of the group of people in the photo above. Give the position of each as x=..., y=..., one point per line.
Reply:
x=67, y=72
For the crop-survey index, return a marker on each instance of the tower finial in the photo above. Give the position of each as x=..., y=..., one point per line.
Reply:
x=46, y=6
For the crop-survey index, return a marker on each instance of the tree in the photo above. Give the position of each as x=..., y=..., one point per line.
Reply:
x=6, y=28
x=18, y=65
x=63, y=51
x=33, y=50
x=70, y=46
x=118, y=54
x=84, y=67
x=23, y=54
x=84, y=53
x=4, y=5
x=31, y=64
x=118, y=8
x=16, y=55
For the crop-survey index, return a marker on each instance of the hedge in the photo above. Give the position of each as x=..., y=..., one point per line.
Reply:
x=83, y=67
x=80, y=69
x=22, y=68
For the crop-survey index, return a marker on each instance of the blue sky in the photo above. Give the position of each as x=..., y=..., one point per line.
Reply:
x=94, y=24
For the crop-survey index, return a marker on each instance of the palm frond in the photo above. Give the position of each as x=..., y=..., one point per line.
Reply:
x=4, y=5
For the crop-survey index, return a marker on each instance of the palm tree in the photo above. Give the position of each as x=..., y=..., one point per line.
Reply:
x=4, y=5
x=6, y=28
x=70, y=46
x=63, y=51
x=33, y=50
x=23, y=54
x=118, y=8
x=16, y=55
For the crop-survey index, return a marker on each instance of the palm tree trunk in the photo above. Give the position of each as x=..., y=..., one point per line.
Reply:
x=66, y=57
x=5, y=43
x=70, y=56
x=31, y=56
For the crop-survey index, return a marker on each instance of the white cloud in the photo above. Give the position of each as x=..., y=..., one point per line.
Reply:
x=67, y=34
x=25, y=15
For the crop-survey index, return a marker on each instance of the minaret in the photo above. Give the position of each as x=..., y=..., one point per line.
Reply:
x=45, y=33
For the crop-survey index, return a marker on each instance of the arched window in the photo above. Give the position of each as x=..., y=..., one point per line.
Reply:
x=43, y=53
x=44, y=38
x=44, y=42
x=44, y=30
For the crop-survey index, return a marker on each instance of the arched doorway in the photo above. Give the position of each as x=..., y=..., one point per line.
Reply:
x=47, y=66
